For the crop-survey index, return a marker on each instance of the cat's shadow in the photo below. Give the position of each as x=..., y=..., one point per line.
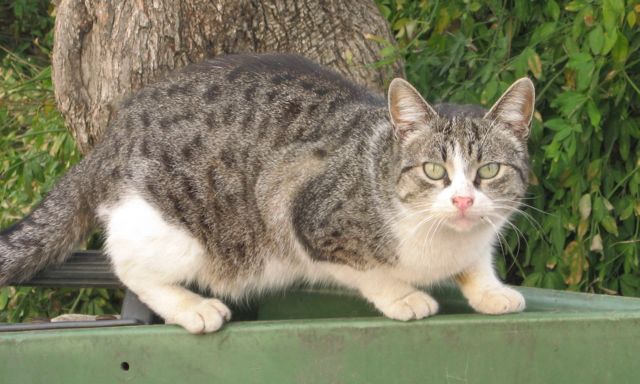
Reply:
x=318, y=303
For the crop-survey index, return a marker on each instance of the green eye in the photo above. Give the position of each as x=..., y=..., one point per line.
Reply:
x=489, y=171
x=434, y=171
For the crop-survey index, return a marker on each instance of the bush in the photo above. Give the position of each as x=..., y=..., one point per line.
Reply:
x=35, y=150
x=580, y=226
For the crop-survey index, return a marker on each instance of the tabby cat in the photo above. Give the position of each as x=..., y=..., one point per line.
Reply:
x=247, y=173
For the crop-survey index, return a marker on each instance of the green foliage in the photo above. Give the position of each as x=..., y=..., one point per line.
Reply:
x=581, y=223
x=27, y=303
x=35, y=150
x=35, y=146
x=24, y=24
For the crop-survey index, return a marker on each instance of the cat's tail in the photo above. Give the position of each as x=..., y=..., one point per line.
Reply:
x=47, y=235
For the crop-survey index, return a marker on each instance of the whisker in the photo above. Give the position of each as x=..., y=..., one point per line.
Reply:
x=524, y=204
x=502, y=239
x=518, y=232
x=526, y=215
x=497, y=232
x=418, y=227
x=431, y=235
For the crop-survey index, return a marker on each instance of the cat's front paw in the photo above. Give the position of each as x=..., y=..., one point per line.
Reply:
x=207, y=316
x=496, y=301
x=416, y=305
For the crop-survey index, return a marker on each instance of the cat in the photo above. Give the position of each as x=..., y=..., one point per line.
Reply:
x=247, y=173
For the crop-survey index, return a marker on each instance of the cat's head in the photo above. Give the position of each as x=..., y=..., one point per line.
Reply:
x=461, y=167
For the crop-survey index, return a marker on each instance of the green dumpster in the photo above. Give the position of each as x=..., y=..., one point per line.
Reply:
x=330, y=336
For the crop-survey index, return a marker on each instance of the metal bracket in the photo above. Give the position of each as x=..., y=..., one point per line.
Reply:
x=134, y=309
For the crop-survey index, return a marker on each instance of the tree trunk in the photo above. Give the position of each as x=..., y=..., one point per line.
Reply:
x=105, y=49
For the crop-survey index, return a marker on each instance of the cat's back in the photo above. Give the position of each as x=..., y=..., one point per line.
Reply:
x=272, y=99
x=250, y=83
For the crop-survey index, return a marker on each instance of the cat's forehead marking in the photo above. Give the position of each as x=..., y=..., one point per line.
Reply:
x=460, y=163
x=464, y=135
x=459, y=180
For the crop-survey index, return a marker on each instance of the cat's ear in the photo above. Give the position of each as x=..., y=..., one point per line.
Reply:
x=515, y=107
x=407, y=108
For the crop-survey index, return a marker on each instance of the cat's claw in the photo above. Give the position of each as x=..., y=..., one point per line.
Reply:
x=496, y=301
x=416, y=305
x=207, y=316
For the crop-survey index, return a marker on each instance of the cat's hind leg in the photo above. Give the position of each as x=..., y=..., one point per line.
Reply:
x=154, y=258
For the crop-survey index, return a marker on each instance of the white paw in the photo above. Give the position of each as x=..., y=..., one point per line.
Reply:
x=416, y=305
x=205, y=317
x=496, y=301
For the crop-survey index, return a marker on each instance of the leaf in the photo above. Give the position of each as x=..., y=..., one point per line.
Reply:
x=4, y=297
x=584, y=66
x=553, y=9
x=631, y=19
x=561, y=135
x=553, y=280
x=573, y=256
x=612, y=11
x=620, y=50
x=599, y=210
x=607, y=204
x=609, y=224
x=629, y=284
x=387, y=51
x=569, y=102
x=386, y=12
x=489, y=92
x=585, y=206
x=627, y=211
x=532, y=280
x=583, y=227
x=535, y=65
x=596, y=40
x=558, y=236
x=557, y=124
x=596, y=244
x=475, y=6
x=610, y=38
x=543, y=32
x=594, y=169
x=594, y=113
x=574, y=6
x=630, y=256
x=443, y=20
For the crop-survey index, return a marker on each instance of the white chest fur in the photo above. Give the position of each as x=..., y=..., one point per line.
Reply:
x=429, y=254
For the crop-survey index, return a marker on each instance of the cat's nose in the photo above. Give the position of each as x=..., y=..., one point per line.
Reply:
x=462, y=202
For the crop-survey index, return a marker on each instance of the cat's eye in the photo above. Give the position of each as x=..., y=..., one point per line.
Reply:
x=434, y=171
x=488, y=171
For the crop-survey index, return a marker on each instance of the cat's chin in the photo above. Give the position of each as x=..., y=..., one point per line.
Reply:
x=463, y=224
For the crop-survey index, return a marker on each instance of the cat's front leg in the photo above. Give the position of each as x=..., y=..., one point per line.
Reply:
x=396, y=299
x=487, y=294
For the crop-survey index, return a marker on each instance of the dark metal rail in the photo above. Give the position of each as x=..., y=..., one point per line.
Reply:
x=81, y=269
x=85, y=269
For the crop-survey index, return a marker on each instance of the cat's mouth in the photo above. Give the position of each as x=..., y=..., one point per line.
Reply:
x=463, y=223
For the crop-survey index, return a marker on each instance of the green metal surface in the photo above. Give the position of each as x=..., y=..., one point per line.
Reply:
x=332, y=337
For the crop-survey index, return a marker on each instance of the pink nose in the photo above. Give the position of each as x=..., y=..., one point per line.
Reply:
x=462, y=202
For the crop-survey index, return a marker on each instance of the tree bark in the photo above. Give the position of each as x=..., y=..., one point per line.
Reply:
x=105, y=49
